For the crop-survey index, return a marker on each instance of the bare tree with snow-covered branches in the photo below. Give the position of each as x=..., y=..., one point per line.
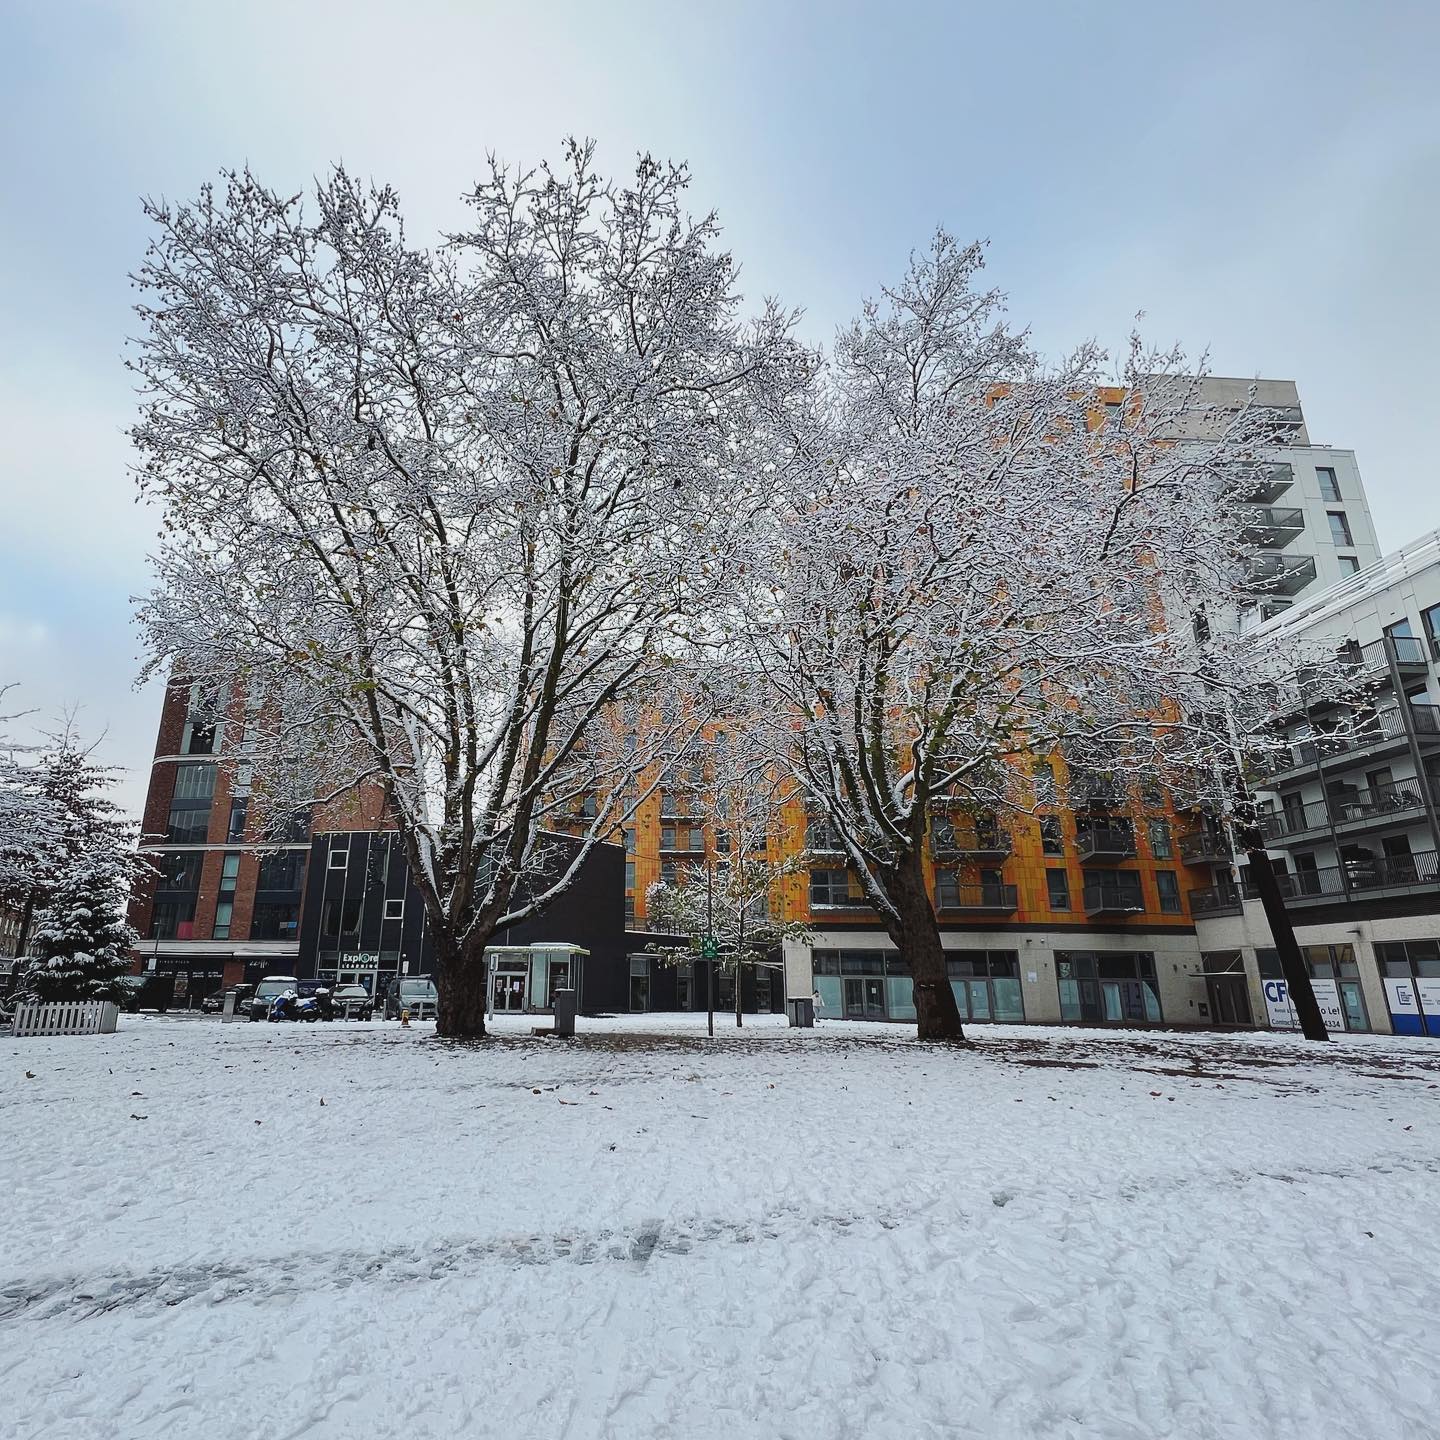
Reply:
x=978, y=566
x=458, y=515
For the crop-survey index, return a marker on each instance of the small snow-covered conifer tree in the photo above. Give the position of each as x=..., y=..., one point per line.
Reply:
x=62, y=790
x=80, y=943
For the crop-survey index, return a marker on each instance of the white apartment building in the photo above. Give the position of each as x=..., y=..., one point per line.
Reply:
x=1353, y=818
x=1313, y=521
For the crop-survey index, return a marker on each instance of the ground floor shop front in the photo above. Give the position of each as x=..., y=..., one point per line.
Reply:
x=1042, y=977
x=1372, y=972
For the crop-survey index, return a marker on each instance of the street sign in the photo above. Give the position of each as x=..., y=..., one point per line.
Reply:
x=709, y=948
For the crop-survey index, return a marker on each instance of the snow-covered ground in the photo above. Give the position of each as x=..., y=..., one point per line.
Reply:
x=838, y=1233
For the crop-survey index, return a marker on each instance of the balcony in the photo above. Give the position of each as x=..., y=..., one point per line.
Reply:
x=1105, y=842
x=1094, y=792
x=1203, y=847
x=1361, y=879
x=1402, y=803
x=983, y=842
x=1215, y=901
x=1294, y=821
x=1382, y=733
x=680, y=806
x=1280, y=574
x=1111, y=897
x=991, y=899
x=1276, y=478
x=690, y=847
x=1272, y=529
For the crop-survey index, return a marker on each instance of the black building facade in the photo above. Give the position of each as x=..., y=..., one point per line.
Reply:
x=363, y=921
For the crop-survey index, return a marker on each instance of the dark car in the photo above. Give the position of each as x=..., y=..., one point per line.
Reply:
x=258, y=1006
x=353, y=1002
x=214, y=1002
x=415, y=993
x=150, y=991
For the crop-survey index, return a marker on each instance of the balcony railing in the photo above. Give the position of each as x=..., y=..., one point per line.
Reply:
x=690, y=847
x=1104, y=898
x=994, y=899
x=1202, y=847
x=1216, y=900
x=988, y=842
x=1281, y=574
x=1105, y=842
x=1357, y=877
x=1271, y=528
x=1382, y=805
x=1360, y=665
x=1295, y=820
x=1385, y=727
x=680, y=807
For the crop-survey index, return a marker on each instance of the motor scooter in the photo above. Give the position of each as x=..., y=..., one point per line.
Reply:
x=282, y=1007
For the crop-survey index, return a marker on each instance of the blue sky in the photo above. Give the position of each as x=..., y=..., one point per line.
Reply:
x=1260, y=180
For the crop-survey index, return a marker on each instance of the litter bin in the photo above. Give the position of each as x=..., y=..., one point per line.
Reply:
x=801, y=1012
x=564, y=1012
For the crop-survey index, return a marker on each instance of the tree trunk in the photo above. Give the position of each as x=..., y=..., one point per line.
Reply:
x=1282, y=931
x=462, y=979
x=917, y=937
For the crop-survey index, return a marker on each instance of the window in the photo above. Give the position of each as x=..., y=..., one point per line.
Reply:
x=1160, y=845
x=1430, y=623
x=235, y=829
x=188, y=826
x=1349, y=565
x=1329, y=486
x=173, y=919
x=1052, y=838
x=275, y=921
x=629, y=842
x=284, y=871
x=830, y=887
x=1340, y=528
x=1107, y=987
x=394, y=910
x=1057, y=885
x=1043, y=776
x=1115, y=412
x=629, y=874
x=225, y=905
x=1169, y=888
x=667, y=837
x=194, y=784
x=338, y=859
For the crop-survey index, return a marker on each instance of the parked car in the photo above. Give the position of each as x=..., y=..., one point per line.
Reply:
x=353, y=1002
x=214, y=1002
x=415, y=993
x=258, y=1006
x=150, y=991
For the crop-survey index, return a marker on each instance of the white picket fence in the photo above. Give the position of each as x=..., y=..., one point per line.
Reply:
x=67, y=1017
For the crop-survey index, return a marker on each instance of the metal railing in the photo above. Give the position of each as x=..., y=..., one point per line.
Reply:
x=992, y=897
x=1101, y=897
x=982, y=840
x=1094, y=841
x=1385, y=726
x=1281, y=574
x=1271, y=527
x=1216, y=900
x=1203, y=845
x=1356, y=877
